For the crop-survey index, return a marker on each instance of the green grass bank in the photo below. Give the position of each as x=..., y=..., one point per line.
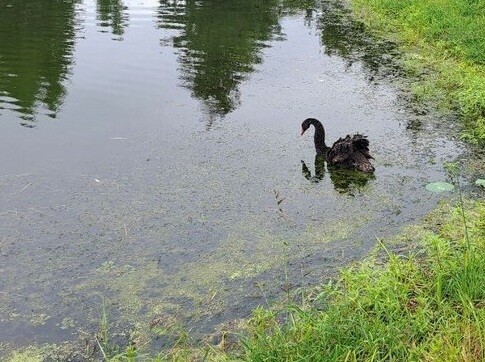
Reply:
x=444, y=46
x=428, y=306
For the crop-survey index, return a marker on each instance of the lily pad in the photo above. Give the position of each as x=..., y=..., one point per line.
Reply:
x=480, y=182
x=439, y=187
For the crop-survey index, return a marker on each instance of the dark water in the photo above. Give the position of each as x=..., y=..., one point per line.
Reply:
x=151, y=160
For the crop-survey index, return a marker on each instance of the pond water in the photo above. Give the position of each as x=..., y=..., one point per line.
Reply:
x=152, y=167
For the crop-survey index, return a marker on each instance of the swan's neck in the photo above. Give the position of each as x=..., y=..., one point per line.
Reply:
x=319, y=138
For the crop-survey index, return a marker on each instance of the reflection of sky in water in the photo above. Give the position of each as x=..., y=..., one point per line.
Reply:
x=136, y=189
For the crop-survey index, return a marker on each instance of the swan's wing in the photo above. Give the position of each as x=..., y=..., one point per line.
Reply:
x=361, y=144
x=361, y=162
x=352, y=152
x=340, y=151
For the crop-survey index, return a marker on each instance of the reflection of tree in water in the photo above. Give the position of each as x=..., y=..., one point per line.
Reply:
x=112, y=13
x=219, y=43
x=343, y=36
x=36, y=45
x=347, y=38
x=344, y=181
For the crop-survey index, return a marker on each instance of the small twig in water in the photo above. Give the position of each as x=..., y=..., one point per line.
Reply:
x=23, y=188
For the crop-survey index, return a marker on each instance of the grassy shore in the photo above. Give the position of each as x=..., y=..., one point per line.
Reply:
x=444, y=46
x=426, y=307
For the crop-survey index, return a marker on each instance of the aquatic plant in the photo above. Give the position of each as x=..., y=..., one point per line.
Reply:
x=439, y=186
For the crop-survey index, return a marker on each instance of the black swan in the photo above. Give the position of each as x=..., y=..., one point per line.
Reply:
x=350, y=152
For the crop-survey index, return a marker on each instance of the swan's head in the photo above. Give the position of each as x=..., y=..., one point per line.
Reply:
x=305, y=125
x=309, y=121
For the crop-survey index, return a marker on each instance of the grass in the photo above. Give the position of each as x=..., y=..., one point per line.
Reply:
x=428, y=308
x=444, y=43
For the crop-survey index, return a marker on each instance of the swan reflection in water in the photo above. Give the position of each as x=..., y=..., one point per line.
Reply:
x=345, y=181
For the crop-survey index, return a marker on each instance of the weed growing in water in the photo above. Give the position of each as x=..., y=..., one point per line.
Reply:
x=108, y=350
